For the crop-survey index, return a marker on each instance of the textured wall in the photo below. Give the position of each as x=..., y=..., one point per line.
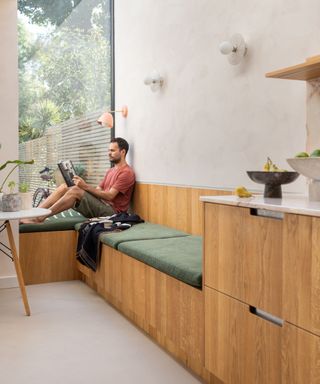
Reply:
x=8, y=106
x=212, y=121
x=313, y=115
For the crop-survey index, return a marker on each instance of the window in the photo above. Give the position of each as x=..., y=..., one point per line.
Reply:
x=65, y=81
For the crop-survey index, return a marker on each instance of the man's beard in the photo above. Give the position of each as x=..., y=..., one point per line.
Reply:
x=115, y=161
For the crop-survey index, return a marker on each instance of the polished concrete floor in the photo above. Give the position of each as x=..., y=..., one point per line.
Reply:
x=74, y=336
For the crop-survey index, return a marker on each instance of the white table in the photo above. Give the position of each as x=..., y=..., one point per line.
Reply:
x=6, y=217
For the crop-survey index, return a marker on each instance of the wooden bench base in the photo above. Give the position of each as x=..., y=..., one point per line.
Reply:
x=168, y=310
x=48, y=256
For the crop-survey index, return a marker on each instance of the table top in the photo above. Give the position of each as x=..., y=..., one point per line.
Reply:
x=24, y=214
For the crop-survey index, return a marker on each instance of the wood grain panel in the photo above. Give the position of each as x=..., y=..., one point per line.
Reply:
x=48, y=256
x=300, y=356
x=301, y=265
x=176, y=207
x=243, y=256
x=168, y=310
x=241, y=348
x=304, y=71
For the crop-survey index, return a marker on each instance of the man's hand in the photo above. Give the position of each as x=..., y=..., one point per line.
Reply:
x=97, y=192
x=80, y=183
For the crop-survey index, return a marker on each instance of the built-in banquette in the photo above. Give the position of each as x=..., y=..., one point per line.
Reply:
x=168, y=309
x=256, y=318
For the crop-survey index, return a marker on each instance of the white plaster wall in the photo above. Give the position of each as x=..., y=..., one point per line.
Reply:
x=8, y=110
x=212, y=121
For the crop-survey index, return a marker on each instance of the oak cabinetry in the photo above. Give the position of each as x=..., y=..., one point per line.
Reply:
x=243, y=256
x=262, y=296
x=301, y=272
x=240, y=347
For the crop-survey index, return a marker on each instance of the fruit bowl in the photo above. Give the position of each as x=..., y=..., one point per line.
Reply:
x=272, y=181
x=307, y=166
x=310, y=168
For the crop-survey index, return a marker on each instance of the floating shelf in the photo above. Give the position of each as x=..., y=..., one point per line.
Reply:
x=305, y=71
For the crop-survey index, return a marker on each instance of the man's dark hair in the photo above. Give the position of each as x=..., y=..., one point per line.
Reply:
x=122, y=143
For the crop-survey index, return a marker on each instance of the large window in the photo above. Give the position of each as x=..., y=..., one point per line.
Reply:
x=65, y=77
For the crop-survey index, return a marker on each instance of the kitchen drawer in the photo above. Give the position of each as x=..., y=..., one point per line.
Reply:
x=301, y=267
x=240, y=347
x=243, y=255
x=243, y=348
x=300, y=356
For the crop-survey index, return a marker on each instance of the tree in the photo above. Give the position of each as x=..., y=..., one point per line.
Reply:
x=44, y=11
x=62, y=74
x=58, y=12
x=75, y=68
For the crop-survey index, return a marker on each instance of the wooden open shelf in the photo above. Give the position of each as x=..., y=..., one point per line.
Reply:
x=305, y=71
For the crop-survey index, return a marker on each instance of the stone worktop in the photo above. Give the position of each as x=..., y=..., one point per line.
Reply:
x=298, y=204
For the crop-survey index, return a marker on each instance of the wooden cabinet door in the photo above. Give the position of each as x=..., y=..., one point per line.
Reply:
x=300, y=356
x=301, y=271
x=240, y=348
x=243, y=256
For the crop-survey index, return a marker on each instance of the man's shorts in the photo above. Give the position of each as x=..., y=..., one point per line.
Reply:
x=91, y=206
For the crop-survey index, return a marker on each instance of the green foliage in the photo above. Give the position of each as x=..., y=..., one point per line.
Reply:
x=74, y=68
x=56, y=12
x=24, y=187
x=64, y=73
x=11, y=185
x=44, y=11
x=16, y=164
x=81, y=171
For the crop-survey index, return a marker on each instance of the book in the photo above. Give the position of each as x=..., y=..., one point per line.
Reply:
x=68, y=172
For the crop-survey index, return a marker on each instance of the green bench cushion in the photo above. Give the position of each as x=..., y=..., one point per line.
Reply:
x=61, y=222
x=143, y=231
x=180, y=257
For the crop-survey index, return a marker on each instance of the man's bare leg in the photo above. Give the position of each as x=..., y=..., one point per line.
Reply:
x=66, y=201
x=54, y=197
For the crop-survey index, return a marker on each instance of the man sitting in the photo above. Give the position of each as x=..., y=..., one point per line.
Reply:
x=112, y=195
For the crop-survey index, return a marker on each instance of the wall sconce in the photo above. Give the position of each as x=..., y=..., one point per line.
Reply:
x=235, y=48
x=106, y=119
x=154, y=80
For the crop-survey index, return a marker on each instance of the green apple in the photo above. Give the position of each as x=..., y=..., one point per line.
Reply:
x=315, y=153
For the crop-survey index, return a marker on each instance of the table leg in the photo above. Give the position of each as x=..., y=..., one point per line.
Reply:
x=18, y=268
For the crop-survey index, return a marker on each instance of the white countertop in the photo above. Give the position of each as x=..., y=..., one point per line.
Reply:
x=291, y=204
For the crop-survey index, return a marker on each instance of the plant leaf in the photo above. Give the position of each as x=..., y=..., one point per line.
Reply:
x=18, y=162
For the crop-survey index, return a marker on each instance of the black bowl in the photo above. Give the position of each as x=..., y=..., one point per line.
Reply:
x=272, y=181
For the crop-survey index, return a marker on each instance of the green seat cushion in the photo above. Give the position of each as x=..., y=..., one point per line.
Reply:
x=62, y=221
x=180, y=257
x=142, y=231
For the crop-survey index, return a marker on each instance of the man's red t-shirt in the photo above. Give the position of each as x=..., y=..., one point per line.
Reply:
x=122, y=179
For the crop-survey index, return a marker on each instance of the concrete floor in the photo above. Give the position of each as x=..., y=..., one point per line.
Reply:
x=74, y=336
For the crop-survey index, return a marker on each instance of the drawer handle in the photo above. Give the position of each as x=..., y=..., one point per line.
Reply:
x=266, y=213
x=266, y=316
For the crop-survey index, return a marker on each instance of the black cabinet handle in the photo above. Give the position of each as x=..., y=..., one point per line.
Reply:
x=266, y=316
x=266, y=213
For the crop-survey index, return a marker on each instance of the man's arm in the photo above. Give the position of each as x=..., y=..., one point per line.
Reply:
x=97, y=192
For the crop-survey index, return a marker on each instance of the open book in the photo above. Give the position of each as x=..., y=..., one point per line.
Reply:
x=68, y=172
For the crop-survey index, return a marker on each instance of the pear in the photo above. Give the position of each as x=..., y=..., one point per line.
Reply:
x=242, y=192
x=302, y=154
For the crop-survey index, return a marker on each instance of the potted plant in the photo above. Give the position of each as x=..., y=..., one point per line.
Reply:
x=25, y=195
x=11, y=201
x=16, y=164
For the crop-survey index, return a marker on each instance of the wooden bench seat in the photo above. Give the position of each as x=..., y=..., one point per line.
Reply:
x=166, y=308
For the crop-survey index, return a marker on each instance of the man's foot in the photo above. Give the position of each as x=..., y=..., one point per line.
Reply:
x=35, y=220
